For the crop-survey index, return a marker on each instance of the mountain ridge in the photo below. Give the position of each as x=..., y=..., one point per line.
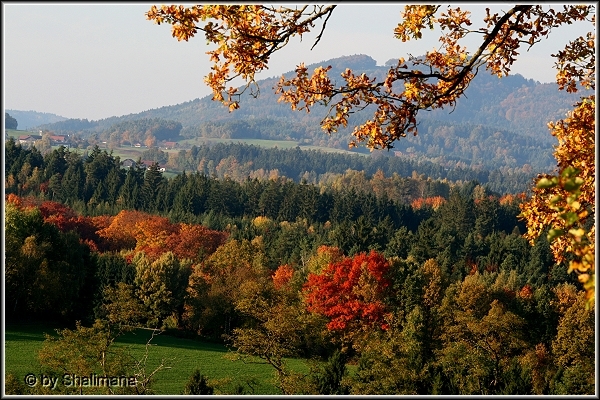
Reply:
x=509, y=114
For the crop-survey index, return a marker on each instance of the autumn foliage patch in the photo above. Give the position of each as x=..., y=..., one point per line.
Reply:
x=350, y=292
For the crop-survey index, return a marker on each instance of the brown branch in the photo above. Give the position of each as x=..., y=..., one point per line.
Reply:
x=323, y=27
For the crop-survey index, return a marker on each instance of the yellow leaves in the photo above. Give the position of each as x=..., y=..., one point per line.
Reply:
x=576, y=64
x=410, y=91
x=566, y=201
x=304, y=92
x=261, y=222
x=234, y=106
x=415, y=18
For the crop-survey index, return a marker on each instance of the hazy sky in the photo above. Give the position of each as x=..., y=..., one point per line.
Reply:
x=95, y=60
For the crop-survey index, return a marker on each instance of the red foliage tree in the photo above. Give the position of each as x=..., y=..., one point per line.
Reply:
x=66, y=220
x=350, y=292
x=52, y=208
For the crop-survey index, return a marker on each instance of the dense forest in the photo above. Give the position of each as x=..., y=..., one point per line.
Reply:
x=238, y=161
x=423, y=286
x=61, y=173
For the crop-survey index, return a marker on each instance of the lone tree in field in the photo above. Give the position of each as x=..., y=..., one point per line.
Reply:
x=245, y=37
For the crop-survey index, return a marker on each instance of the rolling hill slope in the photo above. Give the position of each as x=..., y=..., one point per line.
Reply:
x=499, y=122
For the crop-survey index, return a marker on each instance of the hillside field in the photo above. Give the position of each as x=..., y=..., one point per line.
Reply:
x=16, y=133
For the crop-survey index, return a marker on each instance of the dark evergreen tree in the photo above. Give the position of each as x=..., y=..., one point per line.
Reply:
x=55, y=162
x=130, y=192
x=328, y=378
x=73, y=181
x=10, y=122
x=198, y=385
x=153, y=179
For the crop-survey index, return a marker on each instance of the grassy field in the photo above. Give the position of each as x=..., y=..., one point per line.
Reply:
x=136, y=152
x=23, y=342
x=16, y=133
x=282, y=144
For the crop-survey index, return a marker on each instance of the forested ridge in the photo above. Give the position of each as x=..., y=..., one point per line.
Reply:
x=501, y=123
x=425, y=286
x=513, y=103
x=97, y=179
x=238, y=161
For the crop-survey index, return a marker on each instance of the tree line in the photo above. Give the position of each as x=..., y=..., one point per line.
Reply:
x=239, y=160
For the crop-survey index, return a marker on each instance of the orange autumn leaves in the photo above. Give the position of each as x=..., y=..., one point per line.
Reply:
x=244, y=37
x=156, y=235
x=130, y=230
x=565, y=203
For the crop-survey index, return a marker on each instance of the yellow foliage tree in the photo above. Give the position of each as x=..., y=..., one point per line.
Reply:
x=566, y=202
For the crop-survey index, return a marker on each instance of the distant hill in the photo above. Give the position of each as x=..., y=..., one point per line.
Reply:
x=499, y=122
x=32, y=119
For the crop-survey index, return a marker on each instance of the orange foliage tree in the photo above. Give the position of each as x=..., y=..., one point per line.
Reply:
x=154, y=235
x=433, y=202
x=194, y=241
x=120, y=234
x=151, y=235
x=282, y=276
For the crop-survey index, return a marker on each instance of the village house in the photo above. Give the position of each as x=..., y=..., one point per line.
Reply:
x=56, y=140
x=169, y=145
x=29, y=139
x=148, y=163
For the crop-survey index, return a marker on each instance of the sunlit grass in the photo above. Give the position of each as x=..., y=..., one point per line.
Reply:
x=183, y=356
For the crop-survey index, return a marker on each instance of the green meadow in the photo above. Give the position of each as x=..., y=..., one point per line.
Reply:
x=281, y=144
x=15, y=133
x=23, y=342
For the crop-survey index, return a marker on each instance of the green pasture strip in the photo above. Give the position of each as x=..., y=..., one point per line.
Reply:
x=128, y=152
x=332, y=150
x=16, y=133
x=282, y=144
x=184, y=356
